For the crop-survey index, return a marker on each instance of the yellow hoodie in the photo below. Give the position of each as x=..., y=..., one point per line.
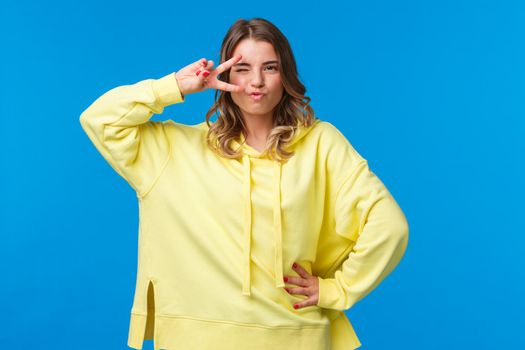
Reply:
x=217, y=235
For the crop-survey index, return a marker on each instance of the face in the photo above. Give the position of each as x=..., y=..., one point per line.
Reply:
x=257, y=71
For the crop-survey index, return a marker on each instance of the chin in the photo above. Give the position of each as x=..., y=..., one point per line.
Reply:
x=256, y=111
x=248, y=106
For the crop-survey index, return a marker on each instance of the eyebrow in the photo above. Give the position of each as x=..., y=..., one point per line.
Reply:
x=247, y=64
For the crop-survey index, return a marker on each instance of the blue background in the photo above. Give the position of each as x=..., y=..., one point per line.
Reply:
x=430, y=92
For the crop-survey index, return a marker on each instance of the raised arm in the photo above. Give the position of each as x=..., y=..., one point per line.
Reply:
x=118, y=123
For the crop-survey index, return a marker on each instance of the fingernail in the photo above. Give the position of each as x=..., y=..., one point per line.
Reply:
x=205, y=74
x=285, y=279
x=294, y=265
x=295, y=306
x=286, y=289
x=198, y=72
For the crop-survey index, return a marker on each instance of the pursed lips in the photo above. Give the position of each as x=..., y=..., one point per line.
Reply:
x=256, y=96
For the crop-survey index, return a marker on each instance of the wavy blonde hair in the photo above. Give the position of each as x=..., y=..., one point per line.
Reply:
x=292, y=110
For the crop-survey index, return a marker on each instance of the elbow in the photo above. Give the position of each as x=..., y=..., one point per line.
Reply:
x=84, y=120
x=89, y=126
x=398, y=227
x=394, y=224
x=399, y=234
x=81, y=120
x=90, y=122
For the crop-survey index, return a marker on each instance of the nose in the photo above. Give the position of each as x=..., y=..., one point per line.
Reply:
x=257, y=79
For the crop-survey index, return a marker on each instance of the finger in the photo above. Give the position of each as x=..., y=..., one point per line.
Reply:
x=203, y=73
x=300, y=270
x=227, y=87
x=299, y=281
x=206, y=68
x=307, y=302
x=301, y=291
x=227, y=64
x=209, y=64
x=199, y=64
x=202, y=65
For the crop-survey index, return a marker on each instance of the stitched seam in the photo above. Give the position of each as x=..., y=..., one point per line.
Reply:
x=153, y=90
x=135, y=103
x=356, y=168
x=101, y=145
x=150, y=188
x=233, y=322
x=348, y=177
x=227, y=322
x=164, y=165
x=348, y=249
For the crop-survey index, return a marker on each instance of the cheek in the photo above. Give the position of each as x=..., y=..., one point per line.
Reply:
x=277, y=88
x=237, y=80
x=236, y=96
x=276, y=84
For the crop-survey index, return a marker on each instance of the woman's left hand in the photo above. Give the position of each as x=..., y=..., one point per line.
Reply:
x=308, y=285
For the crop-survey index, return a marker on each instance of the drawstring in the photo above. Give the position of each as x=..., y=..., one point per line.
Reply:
x=277, y=225
x=246, y=282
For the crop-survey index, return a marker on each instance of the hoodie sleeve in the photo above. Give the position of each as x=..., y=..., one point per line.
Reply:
x=118, y=123
x=367, y=214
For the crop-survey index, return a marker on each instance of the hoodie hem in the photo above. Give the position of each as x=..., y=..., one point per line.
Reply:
x=176, y=332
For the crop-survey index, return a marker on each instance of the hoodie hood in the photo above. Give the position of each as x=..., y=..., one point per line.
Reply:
x=248, y=153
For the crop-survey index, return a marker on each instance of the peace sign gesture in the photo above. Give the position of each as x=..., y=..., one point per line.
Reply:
x=309, y=285
x=197, y=76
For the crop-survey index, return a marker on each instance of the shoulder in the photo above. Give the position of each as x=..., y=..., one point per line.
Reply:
x=336, y=152
x=329, y=132
x=189, y=130
x=334, y=143
x=180, y=134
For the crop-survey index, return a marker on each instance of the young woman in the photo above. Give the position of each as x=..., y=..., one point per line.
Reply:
x=257, y=230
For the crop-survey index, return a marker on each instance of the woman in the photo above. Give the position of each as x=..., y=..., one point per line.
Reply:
x=257, y=230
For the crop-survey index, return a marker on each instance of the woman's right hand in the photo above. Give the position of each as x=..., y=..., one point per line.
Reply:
x=197, y=76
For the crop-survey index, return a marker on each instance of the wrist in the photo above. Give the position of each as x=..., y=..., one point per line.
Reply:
x=166, y=90
x=180, y=85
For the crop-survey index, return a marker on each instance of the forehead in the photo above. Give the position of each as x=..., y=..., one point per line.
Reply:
x=255, y=51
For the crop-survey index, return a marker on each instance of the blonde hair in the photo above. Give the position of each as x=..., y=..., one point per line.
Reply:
x=292, y=110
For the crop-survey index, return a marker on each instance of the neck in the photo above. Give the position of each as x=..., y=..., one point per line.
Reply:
x=258, y=127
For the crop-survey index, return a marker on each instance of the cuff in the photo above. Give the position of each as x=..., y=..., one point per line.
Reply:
x=167, y=90
x=329, y=297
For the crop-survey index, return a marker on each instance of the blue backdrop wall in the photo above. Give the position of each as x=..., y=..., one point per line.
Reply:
x=430, y=92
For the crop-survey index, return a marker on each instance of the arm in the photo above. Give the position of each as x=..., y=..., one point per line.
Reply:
x=118, y=123
x=366, y=213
